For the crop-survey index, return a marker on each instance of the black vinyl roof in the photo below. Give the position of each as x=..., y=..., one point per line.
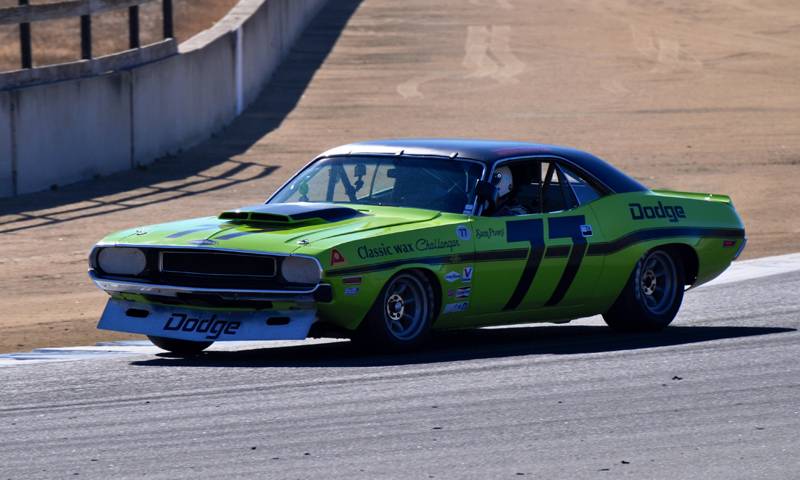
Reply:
x=491, y=152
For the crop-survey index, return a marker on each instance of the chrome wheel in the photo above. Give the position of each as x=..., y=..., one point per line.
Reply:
x=405, y=307
x=656, y=282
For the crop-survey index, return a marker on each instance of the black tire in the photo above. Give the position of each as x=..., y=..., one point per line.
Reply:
x=652, y=296
x=184, y=348
x=400, y=318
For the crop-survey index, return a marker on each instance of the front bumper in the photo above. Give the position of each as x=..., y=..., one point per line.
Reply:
x=205, y=325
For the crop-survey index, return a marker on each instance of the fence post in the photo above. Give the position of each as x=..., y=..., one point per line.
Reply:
x=86, y=37
x=133, y=26
x=26, y=57
x=166, y=9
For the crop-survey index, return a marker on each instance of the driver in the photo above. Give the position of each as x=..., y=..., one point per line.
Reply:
x=506, y=201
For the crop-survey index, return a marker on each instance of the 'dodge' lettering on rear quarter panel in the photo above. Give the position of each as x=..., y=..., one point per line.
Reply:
x=640, y=212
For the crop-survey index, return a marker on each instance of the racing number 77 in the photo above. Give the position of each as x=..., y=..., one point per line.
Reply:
x=532, y=231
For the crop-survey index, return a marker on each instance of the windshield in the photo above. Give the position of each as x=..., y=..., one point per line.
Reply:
x=435, y=184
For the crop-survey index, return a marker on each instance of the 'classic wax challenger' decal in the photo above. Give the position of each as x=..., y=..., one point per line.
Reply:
x=420, y=245
x=384, y=250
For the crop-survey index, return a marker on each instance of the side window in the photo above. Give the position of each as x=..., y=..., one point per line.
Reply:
x=583, y=190
x=537, y=186
x=556, y=192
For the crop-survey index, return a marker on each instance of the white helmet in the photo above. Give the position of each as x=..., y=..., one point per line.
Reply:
x=502, y=180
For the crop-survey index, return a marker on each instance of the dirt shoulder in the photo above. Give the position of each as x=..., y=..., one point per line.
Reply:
x=681, y=96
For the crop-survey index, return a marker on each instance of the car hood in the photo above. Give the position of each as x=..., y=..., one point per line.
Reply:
x=281, y=228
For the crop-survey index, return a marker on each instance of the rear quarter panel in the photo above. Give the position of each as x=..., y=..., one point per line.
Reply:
x=635, y=223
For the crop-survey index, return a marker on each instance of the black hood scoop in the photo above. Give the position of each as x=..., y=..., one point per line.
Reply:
x=287, y=213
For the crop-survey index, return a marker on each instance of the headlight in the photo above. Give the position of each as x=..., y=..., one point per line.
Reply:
x=121, y=261
x=300, y=270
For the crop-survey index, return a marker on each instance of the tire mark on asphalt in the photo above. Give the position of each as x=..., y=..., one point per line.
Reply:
x=504, y=4
x=500, y=46
x=476, y=53
x=487, y=54
x=411, y=88
x=710, y=34
x=667, y=53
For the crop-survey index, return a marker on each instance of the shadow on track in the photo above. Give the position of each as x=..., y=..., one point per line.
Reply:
x=466, y=345
x=183, y=174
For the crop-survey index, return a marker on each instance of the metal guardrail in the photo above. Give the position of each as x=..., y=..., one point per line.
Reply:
x=25, y=14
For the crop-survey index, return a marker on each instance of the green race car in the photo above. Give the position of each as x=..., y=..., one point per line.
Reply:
x=385, y=241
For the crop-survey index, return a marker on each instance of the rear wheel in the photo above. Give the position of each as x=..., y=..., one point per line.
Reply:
x=651, y=297
x=179, y=347
x=401, y=317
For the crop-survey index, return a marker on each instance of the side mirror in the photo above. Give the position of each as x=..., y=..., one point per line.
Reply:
x=487, y=193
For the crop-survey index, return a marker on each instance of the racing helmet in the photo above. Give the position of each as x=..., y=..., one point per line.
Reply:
x=503, y=181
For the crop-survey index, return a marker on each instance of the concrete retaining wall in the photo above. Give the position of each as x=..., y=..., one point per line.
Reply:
x=71, y=130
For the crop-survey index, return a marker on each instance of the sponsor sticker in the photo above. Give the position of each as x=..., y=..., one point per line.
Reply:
x=351, y=291
x=452, y=276
x=586, y=230
x=456, y=307
x=463, y=292
x=490, y=233
x=463, y=233
x=466, y=274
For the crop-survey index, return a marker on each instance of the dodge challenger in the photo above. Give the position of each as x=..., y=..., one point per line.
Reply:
x=385, y=241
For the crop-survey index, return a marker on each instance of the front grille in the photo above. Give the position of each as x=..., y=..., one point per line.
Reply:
x=208, y=268
x=218, y=264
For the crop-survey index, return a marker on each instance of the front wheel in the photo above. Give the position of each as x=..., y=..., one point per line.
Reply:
x=401, y=317
x=179, y=347
x=651, y=297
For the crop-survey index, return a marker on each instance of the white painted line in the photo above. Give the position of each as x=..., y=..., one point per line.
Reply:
x=738, y=272
x=758, y=268
x=109, y=349
x=131, y=348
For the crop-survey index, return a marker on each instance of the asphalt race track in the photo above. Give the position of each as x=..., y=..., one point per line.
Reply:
x=715, y=396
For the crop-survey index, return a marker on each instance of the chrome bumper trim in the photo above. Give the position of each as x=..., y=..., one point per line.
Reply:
x=127, y=286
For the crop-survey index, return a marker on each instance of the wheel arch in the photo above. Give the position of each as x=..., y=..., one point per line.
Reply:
x=372, y=332
x=436, y=286
x=688, y=258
